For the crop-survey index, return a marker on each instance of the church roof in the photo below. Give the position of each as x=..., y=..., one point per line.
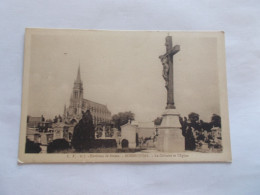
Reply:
x=92, y=103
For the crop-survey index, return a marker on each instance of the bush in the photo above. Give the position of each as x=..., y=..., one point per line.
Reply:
x=32, y=147
x=58, y=145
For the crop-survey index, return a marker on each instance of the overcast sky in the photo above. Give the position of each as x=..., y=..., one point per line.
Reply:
x=123, y=71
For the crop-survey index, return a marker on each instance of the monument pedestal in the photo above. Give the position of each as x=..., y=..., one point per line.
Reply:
x=170, y=137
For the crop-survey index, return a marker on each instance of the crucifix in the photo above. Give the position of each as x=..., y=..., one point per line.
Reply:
x=167, y=62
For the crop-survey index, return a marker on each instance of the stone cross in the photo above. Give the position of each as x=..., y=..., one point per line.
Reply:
x=167, y=62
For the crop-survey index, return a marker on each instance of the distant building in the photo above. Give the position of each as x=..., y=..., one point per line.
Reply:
x=73, y=113
x=138, y=132
x=33, y=122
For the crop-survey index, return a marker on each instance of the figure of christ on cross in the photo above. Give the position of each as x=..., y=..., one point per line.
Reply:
x=167, y=62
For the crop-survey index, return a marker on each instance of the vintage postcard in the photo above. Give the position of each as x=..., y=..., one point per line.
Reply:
x=124, y=96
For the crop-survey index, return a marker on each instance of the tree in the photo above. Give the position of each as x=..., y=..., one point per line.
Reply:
x=122, y=118
x=194, y=117
x=28, y=118
x=158, y=121
x=55, y=120
x=216, y=120
x=43, y=119
x=84, y=133
x=60, y=118
x=184, y=124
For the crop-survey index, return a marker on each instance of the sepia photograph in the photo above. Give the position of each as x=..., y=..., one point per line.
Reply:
x=124, y=96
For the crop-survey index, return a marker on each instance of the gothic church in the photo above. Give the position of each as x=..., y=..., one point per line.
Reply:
x=73, y=113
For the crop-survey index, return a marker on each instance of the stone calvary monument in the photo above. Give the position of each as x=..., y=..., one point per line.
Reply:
x=170, y=137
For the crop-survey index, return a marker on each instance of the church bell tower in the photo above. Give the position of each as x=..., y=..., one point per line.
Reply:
x=76, y=99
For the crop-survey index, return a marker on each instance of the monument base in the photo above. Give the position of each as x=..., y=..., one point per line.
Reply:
x=170, y=137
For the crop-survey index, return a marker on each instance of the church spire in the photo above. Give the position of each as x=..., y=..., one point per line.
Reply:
x=65, y=111
x=78, y=80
